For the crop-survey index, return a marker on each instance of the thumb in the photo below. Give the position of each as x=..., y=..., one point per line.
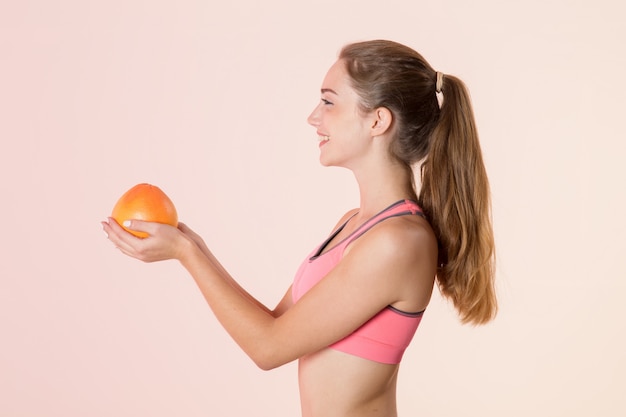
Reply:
x=135, y=225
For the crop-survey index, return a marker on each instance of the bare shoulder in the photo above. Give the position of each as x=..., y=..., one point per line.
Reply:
x=411, y=232
x=402, y=236
x=406, y=248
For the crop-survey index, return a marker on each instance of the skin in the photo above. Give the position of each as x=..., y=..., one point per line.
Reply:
x=394, y=263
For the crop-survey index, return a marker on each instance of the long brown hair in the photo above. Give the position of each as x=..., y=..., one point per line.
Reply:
x=454, y=192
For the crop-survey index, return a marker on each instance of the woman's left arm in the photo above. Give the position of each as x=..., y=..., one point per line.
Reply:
x=244, y=318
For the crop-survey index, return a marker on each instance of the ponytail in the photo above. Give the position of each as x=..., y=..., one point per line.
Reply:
x=455, y=196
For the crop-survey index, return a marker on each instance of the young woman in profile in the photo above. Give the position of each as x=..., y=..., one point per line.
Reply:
x=357, y=299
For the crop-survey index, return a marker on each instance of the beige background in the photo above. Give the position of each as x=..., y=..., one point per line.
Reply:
x=209, y=101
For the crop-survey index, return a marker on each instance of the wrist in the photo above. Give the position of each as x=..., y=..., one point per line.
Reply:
x=187, y=250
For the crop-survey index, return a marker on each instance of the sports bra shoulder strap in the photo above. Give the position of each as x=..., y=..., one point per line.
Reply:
x=399, y=208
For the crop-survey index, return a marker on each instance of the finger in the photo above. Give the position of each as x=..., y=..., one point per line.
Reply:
x=105, y=226
x=122, y=239
x=109, y=227
x=139, y=226
x=125, y=242
x=112, y=227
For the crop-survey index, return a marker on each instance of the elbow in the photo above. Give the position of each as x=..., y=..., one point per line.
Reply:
x=267, y=358
x=266, y=362
x=269, y=349
x=266, y=365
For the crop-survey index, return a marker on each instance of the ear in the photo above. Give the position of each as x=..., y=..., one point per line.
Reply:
x=381, y=121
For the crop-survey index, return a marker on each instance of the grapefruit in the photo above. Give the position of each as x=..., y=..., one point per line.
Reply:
x=145, y=202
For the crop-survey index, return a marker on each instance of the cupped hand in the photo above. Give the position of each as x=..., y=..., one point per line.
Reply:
x=164, y=241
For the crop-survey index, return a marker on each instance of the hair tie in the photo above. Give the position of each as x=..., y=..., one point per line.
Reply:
x=439, y=82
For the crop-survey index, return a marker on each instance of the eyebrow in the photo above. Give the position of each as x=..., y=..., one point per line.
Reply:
x=329, y=90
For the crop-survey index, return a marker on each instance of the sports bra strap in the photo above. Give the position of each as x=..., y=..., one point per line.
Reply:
x=399, y=208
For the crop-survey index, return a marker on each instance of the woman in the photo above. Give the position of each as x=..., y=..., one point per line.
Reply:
x=358, y=298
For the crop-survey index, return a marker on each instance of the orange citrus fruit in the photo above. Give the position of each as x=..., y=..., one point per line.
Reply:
x=145, y=202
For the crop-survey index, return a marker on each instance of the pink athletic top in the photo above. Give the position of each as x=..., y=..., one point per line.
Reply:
x=386, y=335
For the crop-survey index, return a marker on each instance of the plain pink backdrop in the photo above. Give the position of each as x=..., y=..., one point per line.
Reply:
x=209, y=101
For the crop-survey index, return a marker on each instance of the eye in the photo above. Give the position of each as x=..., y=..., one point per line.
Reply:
x=326, y=101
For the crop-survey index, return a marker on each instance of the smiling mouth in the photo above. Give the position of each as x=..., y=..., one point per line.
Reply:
x=323, y=138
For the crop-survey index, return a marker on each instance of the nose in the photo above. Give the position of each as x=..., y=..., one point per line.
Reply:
x=314, y=118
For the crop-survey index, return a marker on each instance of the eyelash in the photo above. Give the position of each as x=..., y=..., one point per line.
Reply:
x=326, y=101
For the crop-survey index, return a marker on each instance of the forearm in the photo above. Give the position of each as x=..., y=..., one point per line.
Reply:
x=247, y=321
x=227, y=277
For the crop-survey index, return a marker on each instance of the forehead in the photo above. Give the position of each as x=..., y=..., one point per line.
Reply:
x=337, y=77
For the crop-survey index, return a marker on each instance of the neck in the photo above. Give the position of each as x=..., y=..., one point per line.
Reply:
x=380, y=187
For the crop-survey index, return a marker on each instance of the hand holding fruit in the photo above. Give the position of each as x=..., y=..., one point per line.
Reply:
x=144, y=223
x=145, y=202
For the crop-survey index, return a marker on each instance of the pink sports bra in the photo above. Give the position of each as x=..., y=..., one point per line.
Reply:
x=385, y=336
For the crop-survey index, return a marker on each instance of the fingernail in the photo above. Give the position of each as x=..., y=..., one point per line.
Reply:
x=126, y=223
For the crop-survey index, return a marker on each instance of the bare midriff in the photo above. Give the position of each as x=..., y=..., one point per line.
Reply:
x=336, y=384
